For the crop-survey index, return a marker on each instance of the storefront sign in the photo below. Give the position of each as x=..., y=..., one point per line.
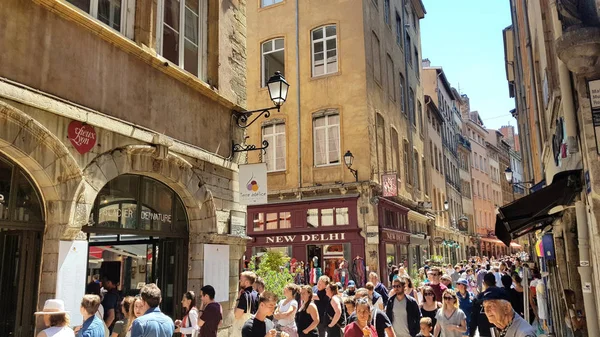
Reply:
x=594, y=91
x=82, y=136
x=396, y=237
x=130, y=213
x=305, y=238
x=253, y=184
x=389, y=184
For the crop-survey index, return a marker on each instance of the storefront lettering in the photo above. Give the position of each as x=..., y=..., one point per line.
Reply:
x=129, y=213
x=388, y=236
x=305, y=238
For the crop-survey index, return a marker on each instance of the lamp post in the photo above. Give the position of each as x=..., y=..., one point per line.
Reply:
x=278, y=91
x=508, y=173
x=348, y=160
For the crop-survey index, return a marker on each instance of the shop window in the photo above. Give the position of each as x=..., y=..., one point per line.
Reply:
x=330, y=258
x=19, y=201
x=272, y=219
x=341, y=216
x=312, y=217
x=390, y=254
x=259, y=222
x=327, y=217
x=285, y=220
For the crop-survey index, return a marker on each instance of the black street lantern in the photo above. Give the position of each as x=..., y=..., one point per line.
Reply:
x=278, y=89
x=509, y=174
x=348, y=160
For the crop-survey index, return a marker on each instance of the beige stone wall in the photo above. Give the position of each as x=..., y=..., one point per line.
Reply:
x=67, y=54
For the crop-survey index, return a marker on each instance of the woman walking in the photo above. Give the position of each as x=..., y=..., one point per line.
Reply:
x=429, y=307
x=189, y=325
x=56, y=319
x=307, y=317
x=362, y=326
x=286, y=310
x=410, y=290
x=451, y=321
x=334, y=311
x=465, y=299
x=122, y=326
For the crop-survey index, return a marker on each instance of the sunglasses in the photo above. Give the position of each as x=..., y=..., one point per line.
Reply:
x=396, y=286
x=432, y=274
x=429, y=294
x=447, y=298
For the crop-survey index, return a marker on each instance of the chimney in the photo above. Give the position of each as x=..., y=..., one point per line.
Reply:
x=426, y=63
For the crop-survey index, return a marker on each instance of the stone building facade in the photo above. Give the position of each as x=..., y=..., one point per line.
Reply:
x=88, y=100
x=364, y=97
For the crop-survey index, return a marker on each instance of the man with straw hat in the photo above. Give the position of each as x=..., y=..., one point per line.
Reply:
x=56, y=319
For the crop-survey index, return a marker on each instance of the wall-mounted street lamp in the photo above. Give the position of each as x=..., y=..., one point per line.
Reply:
x=446, y=206
x=278, y=91
x=348, y=160
x=508, y=173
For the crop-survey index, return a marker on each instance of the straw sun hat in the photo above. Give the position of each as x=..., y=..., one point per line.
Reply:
x=53, y=307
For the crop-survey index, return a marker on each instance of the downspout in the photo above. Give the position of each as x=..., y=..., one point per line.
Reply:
x=534, y=102
x=409, y=124
x=298, y=99
x=585, y=269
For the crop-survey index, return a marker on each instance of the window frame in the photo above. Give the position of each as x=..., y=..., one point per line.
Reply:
x=387, y=13
x=326, y=127
x=273, y=145
x=263, y=80
x=391, y=78
x=324, y=39
x=402, y=84
x=274, y=2
x=202, y=36
x=127, y=16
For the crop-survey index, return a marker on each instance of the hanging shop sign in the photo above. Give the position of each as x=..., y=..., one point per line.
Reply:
x=253, y=184
x=438, y=240
x=82, y=136
x=295, y=238
x=594, y=92
x=389, y=183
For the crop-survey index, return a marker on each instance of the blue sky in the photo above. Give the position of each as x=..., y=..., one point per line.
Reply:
x=465, y=38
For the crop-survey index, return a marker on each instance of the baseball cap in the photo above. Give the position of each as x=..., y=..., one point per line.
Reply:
x=351, y=284
x=462, y=281
x=495, y=293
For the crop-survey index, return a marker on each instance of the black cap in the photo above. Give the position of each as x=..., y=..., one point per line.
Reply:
x=495, y=293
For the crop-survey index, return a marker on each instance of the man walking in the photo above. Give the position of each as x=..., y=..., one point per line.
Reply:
x=92, y=325
x=322, y=302
x=479, y=321
x=211, y=314
x=379, y=287
x=435, y=275
x=247, y=302
x=500, y=313
x=260, y=325
x=110, y=302
x=153, y=323
x=403, y=311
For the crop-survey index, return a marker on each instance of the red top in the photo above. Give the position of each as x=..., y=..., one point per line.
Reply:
x=353, y=330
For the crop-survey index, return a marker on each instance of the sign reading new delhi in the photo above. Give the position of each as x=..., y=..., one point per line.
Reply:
x=305, y=238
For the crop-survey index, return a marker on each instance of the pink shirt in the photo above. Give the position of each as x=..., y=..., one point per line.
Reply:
x=353, y=330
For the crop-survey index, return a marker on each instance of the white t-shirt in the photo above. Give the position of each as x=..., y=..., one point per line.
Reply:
x=59, y=331
x=283, y=308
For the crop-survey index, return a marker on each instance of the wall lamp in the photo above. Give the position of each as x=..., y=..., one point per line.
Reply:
x=508, y=173
x=348, y=160
x=278, y=91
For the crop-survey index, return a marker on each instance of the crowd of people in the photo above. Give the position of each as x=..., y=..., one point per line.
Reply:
x=135, y=316
x=481, y=297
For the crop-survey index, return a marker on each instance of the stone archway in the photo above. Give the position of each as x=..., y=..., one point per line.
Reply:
x=56, y=174
x=172, y=170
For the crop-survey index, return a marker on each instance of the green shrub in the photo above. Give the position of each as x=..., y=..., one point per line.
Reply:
x=272, y=269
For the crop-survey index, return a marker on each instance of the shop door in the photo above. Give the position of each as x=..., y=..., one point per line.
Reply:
x=172, y=274
x=19, y=265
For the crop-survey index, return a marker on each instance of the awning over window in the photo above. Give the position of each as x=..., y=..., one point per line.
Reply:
x=531, y=212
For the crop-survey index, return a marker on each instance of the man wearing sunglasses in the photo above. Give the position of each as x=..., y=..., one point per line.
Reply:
x=434, y=275
x=403, y=311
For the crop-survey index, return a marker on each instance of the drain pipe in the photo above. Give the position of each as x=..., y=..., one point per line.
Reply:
x=298, y=94
x=585, y=268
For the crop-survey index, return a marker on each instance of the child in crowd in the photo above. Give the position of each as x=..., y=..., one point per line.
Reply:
x=426, y=327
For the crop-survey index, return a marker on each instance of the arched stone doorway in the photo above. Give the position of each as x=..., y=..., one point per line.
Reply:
x=138, y=234
x=21, y=231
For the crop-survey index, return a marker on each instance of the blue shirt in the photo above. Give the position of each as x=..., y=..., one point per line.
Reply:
x=92, y=327
x=153, y=324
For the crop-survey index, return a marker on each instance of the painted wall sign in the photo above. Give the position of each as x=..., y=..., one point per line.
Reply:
x=253, y=184
x=594, y=92
x=396, y=237
x=389, y=184
x=82, y=136
x=305, y=238
x=130, y=213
